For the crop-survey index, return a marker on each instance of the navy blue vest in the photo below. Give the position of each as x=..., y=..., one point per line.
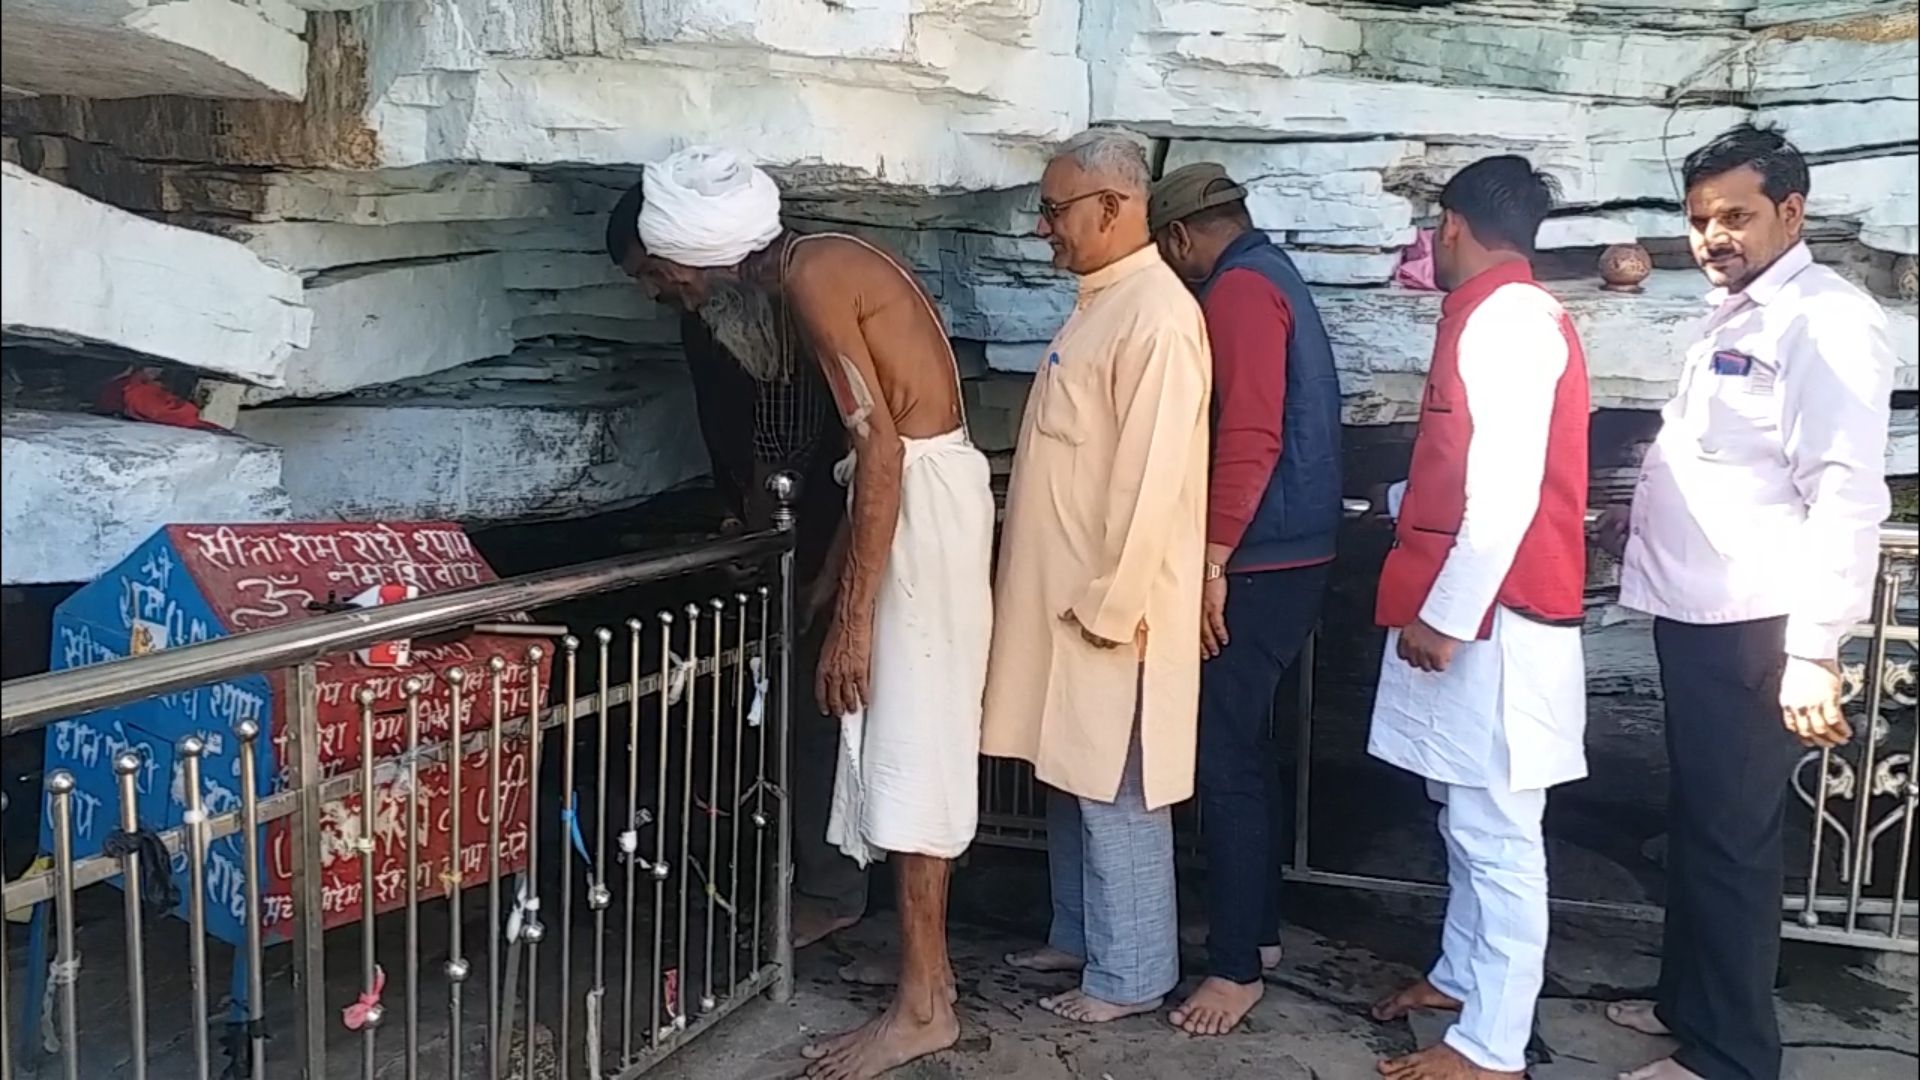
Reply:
x=1299, y=515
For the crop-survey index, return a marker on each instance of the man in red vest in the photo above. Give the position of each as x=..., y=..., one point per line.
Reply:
x=1483, y=686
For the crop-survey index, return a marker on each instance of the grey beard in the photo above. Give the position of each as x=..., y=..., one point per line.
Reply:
x=744, y=322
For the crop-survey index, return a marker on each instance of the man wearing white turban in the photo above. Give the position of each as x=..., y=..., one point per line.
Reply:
x=905, y=663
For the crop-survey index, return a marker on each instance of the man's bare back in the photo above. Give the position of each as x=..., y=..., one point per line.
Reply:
x=840, y=286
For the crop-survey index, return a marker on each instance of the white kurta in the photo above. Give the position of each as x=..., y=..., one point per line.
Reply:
x=909, y=772
x=1525, y=685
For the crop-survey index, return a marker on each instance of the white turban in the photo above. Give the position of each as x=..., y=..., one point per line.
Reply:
x=707, y=208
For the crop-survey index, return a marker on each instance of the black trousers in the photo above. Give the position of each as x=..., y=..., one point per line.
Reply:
x=1243, y=801
x=1730, y=759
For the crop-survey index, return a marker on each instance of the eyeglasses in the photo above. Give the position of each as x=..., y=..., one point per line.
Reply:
x=1051, y=210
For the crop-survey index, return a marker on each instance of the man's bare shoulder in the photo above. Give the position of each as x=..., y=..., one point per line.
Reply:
x=822, y=255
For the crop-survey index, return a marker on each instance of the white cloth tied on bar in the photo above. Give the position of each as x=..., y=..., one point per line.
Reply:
x=707, y=207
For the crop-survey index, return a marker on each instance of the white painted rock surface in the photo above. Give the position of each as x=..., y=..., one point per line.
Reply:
x=82, y=272
x=133, y=48
x=503, y=442
x=1383, y=338
x=80, y=492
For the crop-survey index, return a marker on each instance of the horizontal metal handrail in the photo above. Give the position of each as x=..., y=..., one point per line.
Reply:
x=35, y=701
x=37, y=886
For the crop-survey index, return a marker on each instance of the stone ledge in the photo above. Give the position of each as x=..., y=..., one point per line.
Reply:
x=83, y=491
x=80, y=271
x=130, y=48
x=489, y=453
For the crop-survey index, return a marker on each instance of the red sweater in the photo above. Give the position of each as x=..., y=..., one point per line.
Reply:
x=1248, y=324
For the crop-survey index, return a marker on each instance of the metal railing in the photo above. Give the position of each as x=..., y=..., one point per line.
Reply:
x=1861, y=797
x=673, y=899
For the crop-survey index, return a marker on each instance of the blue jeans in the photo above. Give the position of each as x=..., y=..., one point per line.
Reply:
x=1243, y=801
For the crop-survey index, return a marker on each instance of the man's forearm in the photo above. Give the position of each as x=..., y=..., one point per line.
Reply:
x=872, y=519
x=835, y=561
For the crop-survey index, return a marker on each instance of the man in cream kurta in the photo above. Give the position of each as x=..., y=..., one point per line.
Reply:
x=1094, y=676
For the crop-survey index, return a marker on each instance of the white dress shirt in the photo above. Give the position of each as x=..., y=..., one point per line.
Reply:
x=1764, y=492
x=1525, y=685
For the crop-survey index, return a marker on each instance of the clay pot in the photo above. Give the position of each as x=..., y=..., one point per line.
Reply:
x=1624, y=266
x=1906, y=277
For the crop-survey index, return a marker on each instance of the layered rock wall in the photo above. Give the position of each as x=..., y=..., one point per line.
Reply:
x=409, y=233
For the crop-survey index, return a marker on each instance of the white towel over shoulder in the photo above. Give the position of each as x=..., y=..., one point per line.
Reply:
x=908, y=776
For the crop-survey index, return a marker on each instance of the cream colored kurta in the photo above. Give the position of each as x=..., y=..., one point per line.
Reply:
x=1106, y=518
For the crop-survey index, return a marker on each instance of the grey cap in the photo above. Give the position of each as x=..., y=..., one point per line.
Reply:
x=1188, y=190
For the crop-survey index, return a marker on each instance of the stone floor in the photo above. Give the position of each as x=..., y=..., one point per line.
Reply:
x=1842, y=1018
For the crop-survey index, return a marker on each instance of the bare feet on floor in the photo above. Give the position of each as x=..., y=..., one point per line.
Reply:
x=813, y=921
x=1664, y=1069
x=1270, y=957
x=884, y=1043
x=1217, y=1006
x=1084, y=1007
x=1439, y=1062
x=1637, y=1016
x=1421, y=995
x=1046, y=958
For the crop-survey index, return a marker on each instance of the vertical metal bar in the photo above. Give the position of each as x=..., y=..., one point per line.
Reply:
x=564, y=1038
x=629, y=837
x=455, y=875
x=711, y=879
x=195, y=820
x=598, y=896
x=736, y=800
x=687, y=721
x=531, y=930
x=779, y=684
x=126, y=768
x=783, y=890
x=412, y=688
x=1810, y=915
x=303, y=835
x=1303, y=755
x=248, y=731
x=370, y=976
x=1875, y=690
x=1910, y=790
x=656, y=1031
x=66, y=962
x=6, y=976
x=496, y=684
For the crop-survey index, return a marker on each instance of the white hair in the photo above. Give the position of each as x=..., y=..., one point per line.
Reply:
x=1113, y=155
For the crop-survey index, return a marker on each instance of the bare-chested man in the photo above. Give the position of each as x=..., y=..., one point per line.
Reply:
x=905, y=661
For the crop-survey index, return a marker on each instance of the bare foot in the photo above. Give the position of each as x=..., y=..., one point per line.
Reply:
x=1084, y=1007
x=881, y=971
x=884, y=1043
x=1046, y=958
x=1270, y=957
x=1421, y=995
x=1217, y=1006
x=1439, y=1062
x=813, y=921
x=1664, y=1069
x=1637, y=1016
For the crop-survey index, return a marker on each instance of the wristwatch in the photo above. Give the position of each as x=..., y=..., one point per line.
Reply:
x=1215, y=571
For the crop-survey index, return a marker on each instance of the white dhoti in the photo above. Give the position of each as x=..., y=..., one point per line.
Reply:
x=908, y=778
x=1504, y=722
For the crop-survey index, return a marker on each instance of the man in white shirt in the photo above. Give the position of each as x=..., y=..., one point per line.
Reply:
x=1753, y=538
x=1483, y=686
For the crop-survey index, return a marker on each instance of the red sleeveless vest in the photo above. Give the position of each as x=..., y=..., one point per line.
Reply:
x=1548, y=579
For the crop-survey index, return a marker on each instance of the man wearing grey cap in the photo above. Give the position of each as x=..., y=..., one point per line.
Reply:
x=1273, y=508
